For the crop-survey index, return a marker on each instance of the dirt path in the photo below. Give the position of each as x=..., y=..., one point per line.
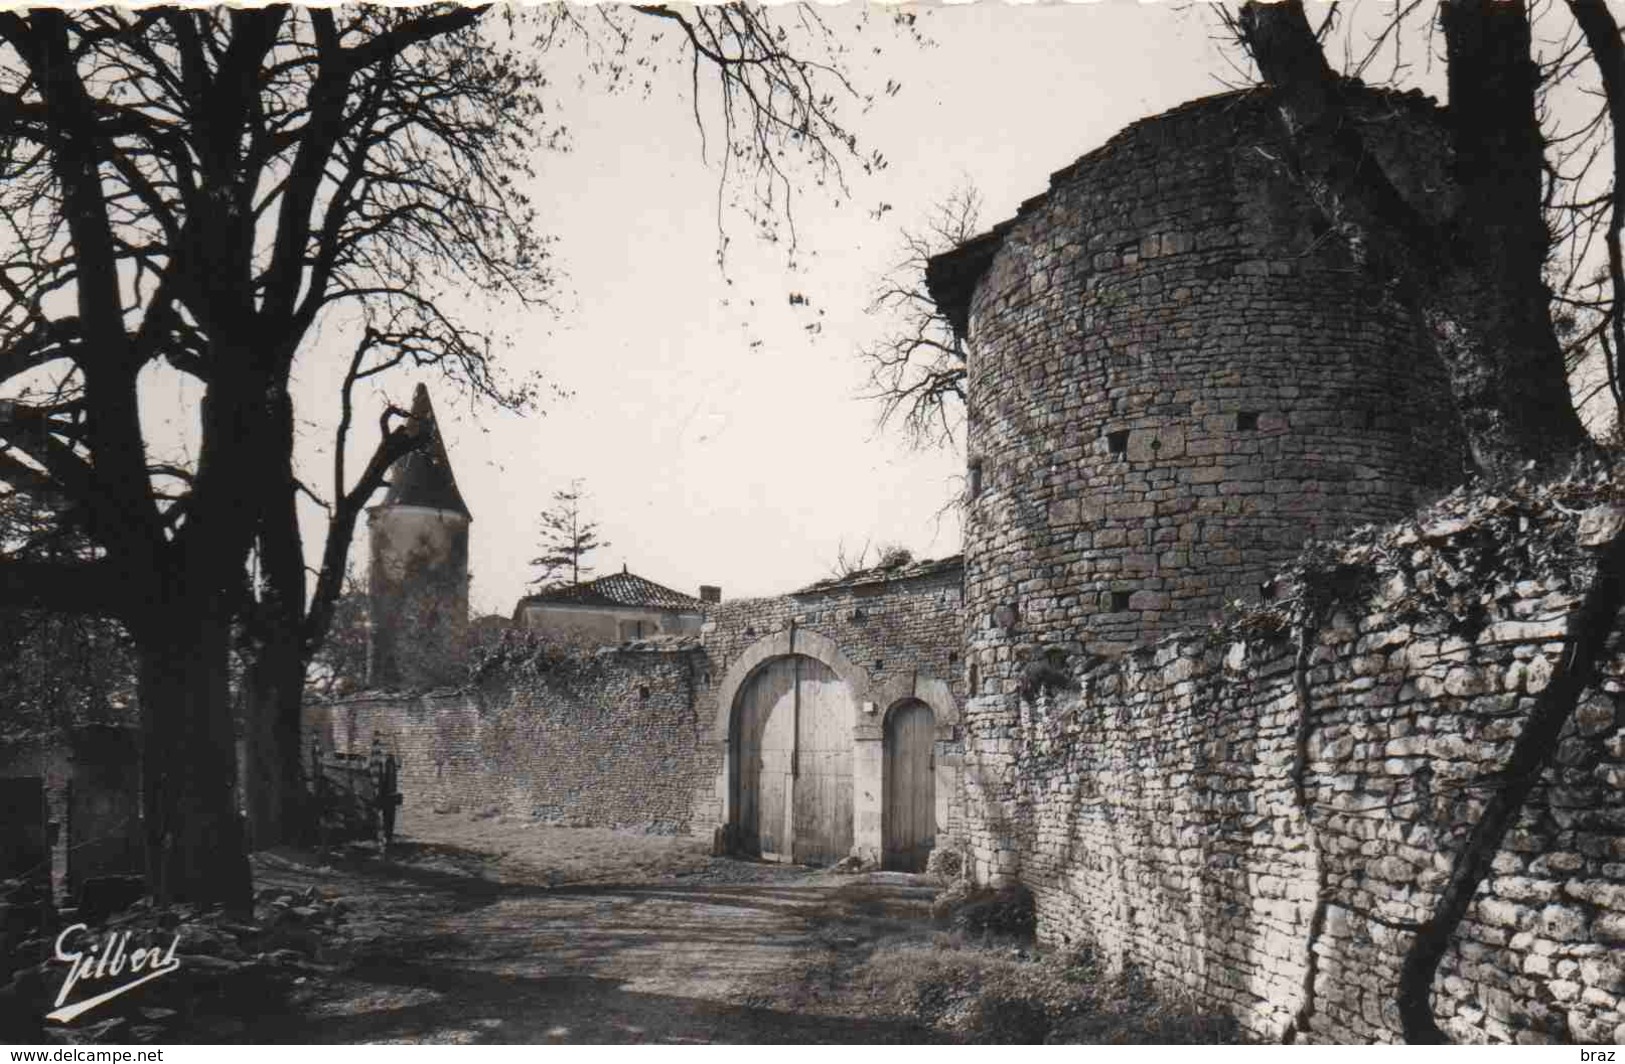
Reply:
x=493, y=932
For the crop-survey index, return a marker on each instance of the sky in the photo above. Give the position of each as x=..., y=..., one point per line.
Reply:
x=721, y=440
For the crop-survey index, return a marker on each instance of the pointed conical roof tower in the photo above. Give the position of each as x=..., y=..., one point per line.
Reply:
x=424, y=477
x=417, y=583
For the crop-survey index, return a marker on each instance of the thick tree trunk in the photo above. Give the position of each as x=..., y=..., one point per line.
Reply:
x=273, y=701
x=194, y=834
x=1491, y=310
x=1493, y=333
x=275, y=679
x=1475, y=276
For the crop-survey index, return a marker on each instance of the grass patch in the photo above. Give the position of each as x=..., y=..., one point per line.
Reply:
x=963, y=967
x=981, y=993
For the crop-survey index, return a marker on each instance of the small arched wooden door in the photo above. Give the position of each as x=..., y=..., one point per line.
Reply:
x=909, y=820
x=793, y=743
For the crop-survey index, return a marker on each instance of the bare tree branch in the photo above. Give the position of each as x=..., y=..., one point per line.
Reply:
x=917, y=369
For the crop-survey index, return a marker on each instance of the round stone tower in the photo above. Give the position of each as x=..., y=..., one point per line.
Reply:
x=417, y=582
x=1177, y=375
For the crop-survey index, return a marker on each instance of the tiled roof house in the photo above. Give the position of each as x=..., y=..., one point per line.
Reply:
x=615, y=608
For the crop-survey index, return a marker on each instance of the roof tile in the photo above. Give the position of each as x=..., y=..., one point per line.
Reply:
x=617, y=589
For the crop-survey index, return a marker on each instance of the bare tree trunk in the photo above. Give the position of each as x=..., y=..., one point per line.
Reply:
x=194, y=836
x=273, y=705
x=1506, y=359
x=275, y=678
x=1505, y=365
x=282, y=633
x=1475, y=277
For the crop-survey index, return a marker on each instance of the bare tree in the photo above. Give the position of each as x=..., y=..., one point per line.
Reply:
x=1588, y=207
x=1471, y=260
x=196, y=190
x=887, y=556
x=1577, y=57
x=339, y=665
x=917, y=369
x=764, y=84
x=568, y=537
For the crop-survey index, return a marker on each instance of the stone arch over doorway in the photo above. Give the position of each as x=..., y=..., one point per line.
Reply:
x=791, y=640
x=898, y=692
x=760, y=663
x=926, y=688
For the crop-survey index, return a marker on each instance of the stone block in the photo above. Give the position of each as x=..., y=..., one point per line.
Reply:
x=1610, y=928
x=1065, y=512
x=1599, y=525
x=1605, y=973
x=1564, y=923
x=1595, y=715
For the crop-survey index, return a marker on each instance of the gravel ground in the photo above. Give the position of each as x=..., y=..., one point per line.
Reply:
x=495, y=930
x=512, y=931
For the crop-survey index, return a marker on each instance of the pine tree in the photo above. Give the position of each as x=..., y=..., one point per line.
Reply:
x=567, y=539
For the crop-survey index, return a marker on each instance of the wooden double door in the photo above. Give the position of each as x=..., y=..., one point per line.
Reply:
x=793, y=738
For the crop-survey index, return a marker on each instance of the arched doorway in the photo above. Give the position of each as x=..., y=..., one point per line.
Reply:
x=793, y=743
x=909, y=815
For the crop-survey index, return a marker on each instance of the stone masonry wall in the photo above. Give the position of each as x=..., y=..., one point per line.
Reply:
x=417, y=590
x=48, y=760
x=887, y=626
x=611, y=740
x=1176, y=377
x=635, y=736
x=91, y=794
x=1150, y=803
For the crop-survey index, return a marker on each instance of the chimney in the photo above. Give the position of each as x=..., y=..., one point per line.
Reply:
x=710, y=594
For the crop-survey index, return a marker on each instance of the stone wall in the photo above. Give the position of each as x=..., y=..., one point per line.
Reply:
x=1176, y=377
x=41, y=762
x=606, y=624
x=610, y=738
x=92, y=799
x=1150, y=802
x=637, y=735
x=889, y=622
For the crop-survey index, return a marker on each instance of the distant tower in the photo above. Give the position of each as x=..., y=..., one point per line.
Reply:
x=417, y=584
